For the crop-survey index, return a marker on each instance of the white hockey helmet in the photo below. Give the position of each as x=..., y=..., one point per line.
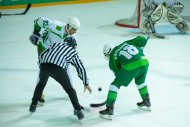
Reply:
x=107, y=50
x=74, y=22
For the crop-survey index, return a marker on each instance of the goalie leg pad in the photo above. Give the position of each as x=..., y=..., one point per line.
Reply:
x=182, y=27
x=173, y=18
x=145, y=27
x=159, y=13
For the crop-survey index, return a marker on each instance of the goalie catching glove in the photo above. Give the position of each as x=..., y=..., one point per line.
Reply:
x=177, y=8
x=149, y=9
x=35, y=37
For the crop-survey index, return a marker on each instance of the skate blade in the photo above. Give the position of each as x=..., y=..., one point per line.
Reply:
x=87, y=109
x=81, y=122
x=106, y=117
x=40, y=104
x=31, y=112
x=144, y=108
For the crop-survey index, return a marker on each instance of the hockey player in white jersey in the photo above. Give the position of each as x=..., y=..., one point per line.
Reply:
x=53, y=31
x=163, y=9
x=47, y=32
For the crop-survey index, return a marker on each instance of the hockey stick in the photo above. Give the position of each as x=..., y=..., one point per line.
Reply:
x=153, y=29
x=23, y=13
x=98, y=104
x=152, y=25
x=148, y=37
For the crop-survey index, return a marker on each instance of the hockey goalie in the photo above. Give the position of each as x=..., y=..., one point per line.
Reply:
x=157, y=10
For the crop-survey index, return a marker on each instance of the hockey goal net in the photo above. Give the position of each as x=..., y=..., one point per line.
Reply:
x=135, y=19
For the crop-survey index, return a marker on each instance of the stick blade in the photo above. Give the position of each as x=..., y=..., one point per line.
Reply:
x=158, y=36
x=98, y=104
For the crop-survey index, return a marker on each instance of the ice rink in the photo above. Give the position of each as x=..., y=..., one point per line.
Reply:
x=168, y=78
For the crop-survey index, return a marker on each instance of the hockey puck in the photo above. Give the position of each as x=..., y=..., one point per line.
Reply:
x=99, y=89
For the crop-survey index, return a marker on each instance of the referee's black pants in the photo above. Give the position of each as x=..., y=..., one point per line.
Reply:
x=61, y=76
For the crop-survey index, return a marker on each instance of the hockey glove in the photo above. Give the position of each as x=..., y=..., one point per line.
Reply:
x=149, y=9
x=34, y=37
x=177, y=7
x=70, y=41
x=87, y=87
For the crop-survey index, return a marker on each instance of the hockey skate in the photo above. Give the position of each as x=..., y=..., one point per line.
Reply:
x=41, y=101
x=86, y=109
x=79, y=114
x=32, y=108
x=145, y=104
x=107, y=113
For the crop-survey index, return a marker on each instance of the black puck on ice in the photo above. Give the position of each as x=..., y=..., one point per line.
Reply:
x=99, y=89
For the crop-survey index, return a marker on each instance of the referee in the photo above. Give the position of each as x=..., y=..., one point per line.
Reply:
x=54, y=63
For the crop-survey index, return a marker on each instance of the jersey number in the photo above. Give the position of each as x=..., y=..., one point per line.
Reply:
x=45, y=23
x=128, y=51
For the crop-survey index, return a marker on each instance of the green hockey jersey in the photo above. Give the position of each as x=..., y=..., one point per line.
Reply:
x=128, y=55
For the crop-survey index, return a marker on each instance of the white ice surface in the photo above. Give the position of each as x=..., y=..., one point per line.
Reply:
x=168, y=78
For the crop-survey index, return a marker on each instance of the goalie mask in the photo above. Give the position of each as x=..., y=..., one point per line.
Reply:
x=107, y=50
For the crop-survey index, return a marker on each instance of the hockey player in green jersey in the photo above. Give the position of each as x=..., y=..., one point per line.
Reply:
x=128, y=62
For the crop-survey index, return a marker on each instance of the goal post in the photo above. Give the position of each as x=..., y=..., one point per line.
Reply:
x=134, y=20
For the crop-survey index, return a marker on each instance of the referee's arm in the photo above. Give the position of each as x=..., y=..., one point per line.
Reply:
x=80, y=69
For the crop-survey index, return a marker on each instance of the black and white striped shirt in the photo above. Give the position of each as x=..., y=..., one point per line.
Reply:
x=62, y=55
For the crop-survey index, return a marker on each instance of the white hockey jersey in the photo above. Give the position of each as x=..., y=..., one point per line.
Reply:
x=53, y=31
